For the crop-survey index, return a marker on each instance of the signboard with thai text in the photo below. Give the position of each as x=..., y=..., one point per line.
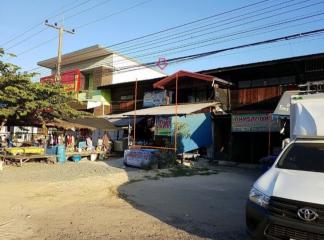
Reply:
x=154, y=98
x=70, y=80
x=137, y=158
x=254, y=123
x=163, y=126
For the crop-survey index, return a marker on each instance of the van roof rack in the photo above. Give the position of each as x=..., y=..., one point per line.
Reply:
x=311, y=87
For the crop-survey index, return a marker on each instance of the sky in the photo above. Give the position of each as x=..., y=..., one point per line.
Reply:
x=110, y=22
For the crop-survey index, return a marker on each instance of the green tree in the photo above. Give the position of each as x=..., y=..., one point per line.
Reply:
x=22, y=99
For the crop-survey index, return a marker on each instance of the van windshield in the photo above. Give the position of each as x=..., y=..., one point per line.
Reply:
x=303, y=157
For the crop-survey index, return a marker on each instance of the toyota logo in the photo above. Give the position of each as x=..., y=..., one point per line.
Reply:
x=307, y=214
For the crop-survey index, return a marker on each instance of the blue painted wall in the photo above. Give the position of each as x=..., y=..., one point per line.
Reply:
x=200, y=127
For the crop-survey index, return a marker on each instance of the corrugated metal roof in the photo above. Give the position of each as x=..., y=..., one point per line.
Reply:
x=165, y=81
x=100, y=122
x=119, y=120
x=183, y=109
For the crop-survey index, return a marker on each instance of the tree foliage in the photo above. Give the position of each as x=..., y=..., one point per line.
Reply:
x=23, y=99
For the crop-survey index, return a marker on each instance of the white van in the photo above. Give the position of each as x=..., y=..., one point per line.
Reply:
x=287, y=202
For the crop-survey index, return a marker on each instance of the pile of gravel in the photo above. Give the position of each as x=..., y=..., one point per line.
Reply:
x=39, y=172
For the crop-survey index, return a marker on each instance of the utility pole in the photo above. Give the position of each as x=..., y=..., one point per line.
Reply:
x=61, y=30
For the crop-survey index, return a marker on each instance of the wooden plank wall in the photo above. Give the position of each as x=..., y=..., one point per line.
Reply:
x=253, y=95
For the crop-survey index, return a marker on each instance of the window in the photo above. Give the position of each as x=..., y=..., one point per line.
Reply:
x=303, y=157
x=265, y=82
x=244, y=84
x=314, y=65
x=126, y=97
x=86, y=81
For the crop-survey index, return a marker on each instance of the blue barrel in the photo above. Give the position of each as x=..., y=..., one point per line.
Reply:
x=61, y=153
x=51, y=150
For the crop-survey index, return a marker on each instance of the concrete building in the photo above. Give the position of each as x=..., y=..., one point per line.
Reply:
x=86, y=70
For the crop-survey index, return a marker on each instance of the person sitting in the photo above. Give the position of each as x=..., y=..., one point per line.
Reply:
x=89, y=143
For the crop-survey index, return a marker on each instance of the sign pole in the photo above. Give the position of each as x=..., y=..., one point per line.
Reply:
x=176, y=115
x=135, y=106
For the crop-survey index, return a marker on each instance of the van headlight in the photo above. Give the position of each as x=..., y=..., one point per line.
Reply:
x=259, y=198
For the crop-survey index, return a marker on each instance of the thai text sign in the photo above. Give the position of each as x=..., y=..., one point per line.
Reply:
x=254, y=123
x=154, y=98
x=163, y=126
x=137, y=158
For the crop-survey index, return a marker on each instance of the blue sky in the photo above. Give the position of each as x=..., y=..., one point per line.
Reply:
x=151, y=16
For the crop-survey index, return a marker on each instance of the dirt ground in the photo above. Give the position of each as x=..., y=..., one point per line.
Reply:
x=74, y=201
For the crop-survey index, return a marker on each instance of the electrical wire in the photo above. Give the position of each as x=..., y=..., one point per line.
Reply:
x=194, y=44
x=189, y=23
x=204, y=54
x=17, y=36
x=202, y=28
x=199, y=20
x=87, y=9
x=233, y=39
x=113, y=14
x=83, y=25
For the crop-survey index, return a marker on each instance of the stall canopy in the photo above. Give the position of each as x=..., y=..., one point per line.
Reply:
x=283, y=107
x=69, y=125
x=119, y=120
x=182, y=109
x=97, y=123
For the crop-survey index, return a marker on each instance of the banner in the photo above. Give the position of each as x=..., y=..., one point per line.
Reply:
x=154, y=98
x=163, y=126
x=254, y=123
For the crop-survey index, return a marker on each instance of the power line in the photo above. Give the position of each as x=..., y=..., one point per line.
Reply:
x=83, y=25
x=179, y=41
x=202, y=28
x=41, y=23
x=241, y=37
x=228, y=40
x=228, y=35
x=37, y=46
x=176, y=27
x=204, y=54
x=172, y=52
x=113, y=14
x=189, y=23
x=25, y=39
x=87, y=9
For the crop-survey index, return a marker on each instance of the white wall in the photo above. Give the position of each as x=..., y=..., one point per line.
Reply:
x=89, y=64
x=131, y=76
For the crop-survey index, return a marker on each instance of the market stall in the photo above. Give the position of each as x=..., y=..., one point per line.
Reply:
x=78, y=139
x=63, y=140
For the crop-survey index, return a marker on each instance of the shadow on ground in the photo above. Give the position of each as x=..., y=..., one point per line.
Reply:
x=205, y=206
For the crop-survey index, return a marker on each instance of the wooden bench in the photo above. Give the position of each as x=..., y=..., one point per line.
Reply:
x=20, y=159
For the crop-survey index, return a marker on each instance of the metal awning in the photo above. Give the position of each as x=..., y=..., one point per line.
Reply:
x=122, y=121
x=182, y=74
x=77, y=56
x=182, y=109
x=283, y=107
